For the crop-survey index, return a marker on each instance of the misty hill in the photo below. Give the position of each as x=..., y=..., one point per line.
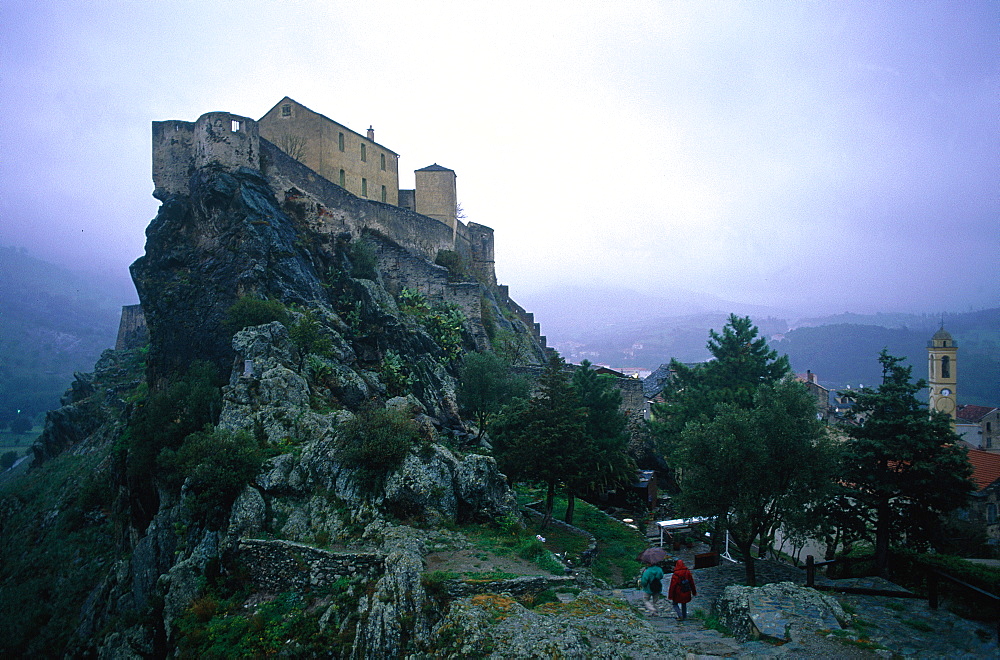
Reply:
x=625, y=328
x=53, y=322
x=844, y=354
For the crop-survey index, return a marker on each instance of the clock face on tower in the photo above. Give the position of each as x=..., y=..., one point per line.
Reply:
x=945, y=405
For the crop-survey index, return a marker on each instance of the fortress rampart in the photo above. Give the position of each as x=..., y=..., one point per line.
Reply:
x=181, y=147
x=232, y=141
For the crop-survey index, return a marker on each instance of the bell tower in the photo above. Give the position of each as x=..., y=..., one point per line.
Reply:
x=942, y=373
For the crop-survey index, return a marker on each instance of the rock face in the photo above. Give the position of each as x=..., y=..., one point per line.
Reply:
x=497, y=626
x=313, y=525
x=778, y=612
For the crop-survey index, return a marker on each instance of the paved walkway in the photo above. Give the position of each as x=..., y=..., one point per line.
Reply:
x=884, y=626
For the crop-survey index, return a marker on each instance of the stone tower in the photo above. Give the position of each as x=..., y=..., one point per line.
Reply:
x=942, y=373
x=436, y=194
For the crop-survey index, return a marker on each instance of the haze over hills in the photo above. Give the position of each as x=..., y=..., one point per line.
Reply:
x=625, y=328
x=53, y=322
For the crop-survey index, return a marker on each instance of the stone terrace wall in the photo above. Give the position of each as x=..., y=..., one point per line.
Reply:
x=277, y=566
x=346, y=212
x=402, y=269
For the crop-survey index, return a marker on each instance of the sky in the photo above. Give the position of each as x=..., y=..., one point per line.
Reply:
x=838, y=156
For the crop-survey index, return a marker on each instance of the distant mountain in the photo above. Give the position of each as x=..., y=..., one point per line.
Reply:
x=843, y=354
x=626, y=328
x=52, y=322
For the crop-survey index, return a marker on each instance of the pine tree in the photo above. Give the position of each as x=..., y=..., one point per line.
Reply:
x=543, y=440
x=904, y=466
x=604, y=462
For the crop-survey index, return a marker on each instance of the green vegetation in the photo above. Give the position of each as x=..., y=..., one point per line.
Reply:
x=604, y=463
x=444, y=322
x=307, y=335
x=161, y=424
x=745, y=438
x=458, y=270
x=57, y=543
x=396, y=374
x=217, y=465
x=364, y=260
x=543, y=439
x=712, y=622
x=217, y=625
x=250, y=311
x=485, y=385
x=374, y=443
x=617, y=544
x=902, y=487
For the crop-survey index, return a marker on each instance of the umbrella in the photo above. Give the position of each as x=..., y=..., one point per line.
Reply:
x=653, y=555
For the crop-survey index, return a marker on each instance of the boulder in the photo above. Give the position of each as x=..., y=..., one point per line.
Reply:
x=779, y=611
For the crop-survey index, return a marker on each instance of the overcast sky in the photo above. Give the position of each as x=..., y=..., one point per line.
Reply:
x=844, y=154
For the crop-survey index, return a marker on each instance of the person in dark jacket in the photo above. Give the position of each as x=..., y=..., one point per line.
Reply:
x=681, y=589
x=652, y=586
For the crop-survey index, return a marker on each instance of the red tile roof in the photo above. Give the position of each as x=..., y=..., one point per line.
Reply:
x=970, y=413
x=985, y=467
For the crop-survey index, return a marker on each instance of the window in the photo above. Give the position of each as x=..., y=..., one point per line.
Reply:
x=382, y=161
x=364, y=153
x=286, y=110
x=343, y=179
x=383, y=193
x=988, y=428
x=340, y=141
x=364, y=187
x=236, y=125
x=989, y=442
x=946, y=367
x=991, y=514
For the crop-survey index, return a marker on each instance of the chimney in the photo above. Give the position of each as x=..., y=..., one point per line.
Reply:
x=371, y=133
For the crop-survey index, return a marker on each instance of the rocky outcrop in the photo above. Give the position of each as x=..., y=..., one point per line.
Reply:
x=778, y=612
x=498, y=626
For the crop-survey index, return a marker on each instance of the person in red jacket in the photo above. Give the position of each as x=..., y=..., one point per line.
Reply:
x=681, y=589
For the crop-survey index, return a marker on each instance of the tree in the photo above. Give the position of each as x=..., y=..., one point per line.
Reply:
x=751, y=466
x=485, y=385
x=742, y=362
x=904, y=466
x=542, y=440
x=604, y=463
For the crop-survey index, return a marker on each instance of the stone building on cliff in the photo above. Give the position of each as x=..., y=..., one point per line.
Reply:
x=340, y=176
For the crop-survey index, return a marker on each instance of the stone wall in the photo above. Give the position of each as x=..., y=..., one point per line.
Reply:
x=132, y=330
x=181, y=147
x=276, y=566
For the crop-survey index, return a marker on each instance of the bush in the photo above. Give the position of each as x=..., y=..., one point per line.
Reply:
x=249, y=311
x=217, y=465
x=457, y=269
x=364, y=261
x=374, y=443
x=308, y=337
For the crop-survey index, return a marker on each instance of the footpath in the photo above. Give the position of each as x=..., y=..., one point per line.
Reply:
x=882, y=626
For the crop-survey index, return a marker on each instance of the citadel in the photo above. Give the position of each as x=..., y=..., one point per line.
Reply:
x=349, y=183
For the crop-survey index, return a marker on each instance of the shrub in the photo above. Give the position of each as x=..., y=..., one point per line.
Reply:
x=217, y=465
x=307, y=336
x=457, y=269
x=374, y=443
x=364, y=261
x=249, y=311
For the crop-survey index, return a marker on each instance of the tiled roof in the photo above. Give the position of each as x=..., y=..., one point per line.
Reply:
x=970, y=413
x=985, y=467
